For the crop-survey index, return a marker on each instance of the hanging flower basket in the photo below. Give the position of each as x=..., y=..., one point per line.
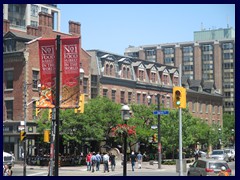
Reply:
x=123, y=130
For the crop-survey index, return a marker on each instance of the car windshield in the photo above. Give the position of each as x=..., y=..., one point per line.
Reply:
x=217, y=165
x=217, y=152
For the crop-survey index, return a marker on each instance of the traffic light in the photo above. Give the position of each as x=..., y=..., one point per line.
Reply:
x=22, y=135
x=37, y=109
x=80, y=109
x=46, y=134
x=179, y=97
x=154, y=138
x=49, y=114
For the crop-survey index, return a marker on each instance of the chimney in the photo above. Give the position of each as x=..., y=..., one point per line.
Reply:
x=32, y=30
x=6, y=26
x=45, y=24
x=74, y=28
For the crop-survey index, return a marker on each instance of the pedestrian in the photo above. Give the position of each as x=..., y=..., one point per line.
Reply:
x=88, y=161
x=223, y=172
x=93, y=161
x=7, y=171
x=113, y=162
x=99, y=159
x=133, y=160
x=196, y=154
x=139, y=158
x=105, y=162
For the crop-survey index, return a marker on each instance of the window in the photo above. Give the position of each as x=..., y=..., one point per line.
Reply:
x=113, y=95
x=129, y=97
x=207, y=106
x=105, y=93
x=207, y=47
x=141, y=75
x=107, y=70
x=34, y=23
x=124, y=72
x=128, y=73
x=85, y=85
x=34, y=10
x=200, y=107
x=10, y=45
x=218, y=110
x=9, y=79
x=9, y=109
x=144, y=99
x=165, y=79
x=227, y=46
x=168, y=50
x=35, y=79
x=43, y=9
x=122, y=96
x=153, y=77
x=168, y=102
x=111, y=70
x=34, y=110
x=168, y=60
x=138, y=98
x=213, y=109
x=187, y=49
x=193, y=106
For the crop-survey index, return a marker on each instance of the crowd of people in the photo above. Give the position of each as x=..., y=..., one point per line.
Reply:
x=94, y=160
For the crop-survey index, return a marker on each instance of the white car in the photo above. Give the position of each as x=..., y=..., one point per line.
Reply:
x=8, y=158
x=230, y=153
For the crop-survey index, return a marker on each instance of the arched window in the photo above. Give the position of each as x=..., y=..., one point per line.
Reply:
x=111, y=70
x=107, y=70
x=128, y=73
x=124, y=72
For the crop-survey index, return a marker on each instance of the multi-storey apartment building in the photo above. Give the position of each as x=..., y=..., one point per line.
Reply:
x=23, y=15
x=210, y=58
x=122, y=78
x=21, y=65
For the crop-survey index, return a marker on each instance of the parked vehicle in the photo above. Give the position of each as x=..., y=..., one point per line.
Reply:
x=7, y=158
x=219, y=154
x=207, y=167
x=230, y=153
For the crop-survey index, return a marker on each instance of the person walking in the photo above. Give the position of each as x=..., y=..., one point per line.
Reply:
x=223, y=172
x=133, y=160
x=105, y=162
x=139, y=158
x=113, y=162
x=196, y=154
x=99, y=159
x=88, y=161
x=93, y=161
x=7, y=170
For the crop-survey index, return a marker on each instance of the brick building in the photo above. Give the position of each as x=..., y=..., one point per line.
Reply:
x=210, y=57
x=21, y=65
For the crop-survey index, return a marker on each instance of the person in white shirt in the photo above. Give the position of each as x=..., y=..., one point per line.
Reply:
x=105, y=162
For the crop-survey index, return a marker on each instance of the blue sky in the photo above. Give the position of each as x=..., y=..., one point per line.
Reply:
x=113, y=27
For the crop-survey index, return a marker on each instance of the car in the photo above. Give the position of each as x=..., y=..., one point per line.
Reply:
x=207, y=167
x=219, y=154
x=230, y=153
x=8, y=158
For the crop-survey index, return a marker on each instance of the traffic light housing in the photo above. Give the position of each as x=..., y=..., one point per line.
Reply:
x=46, y=134
x=37, y=109
x=49, y=114
x=22, y=135
x=80, y=109
x=179, y=97
x=154, y=138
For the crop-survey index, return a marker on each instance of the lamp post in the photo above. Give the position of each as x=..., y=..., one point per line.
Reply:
x=220, y=140
x=125, y=116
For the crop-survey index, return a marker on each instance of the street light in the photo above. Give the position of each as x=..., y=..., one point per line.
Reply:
x=220, y=140
x=149, y=99
x=125, y=116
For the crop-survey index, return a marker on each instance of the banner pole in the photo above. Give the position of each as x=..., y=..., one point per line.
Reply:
x=57, y=106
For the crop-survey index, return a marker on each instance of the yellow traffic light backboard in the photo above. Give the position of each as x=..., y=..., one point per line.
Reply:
x=22, y=135
x=49, y=114
x=179, y=97
x=80, y=109
x=46, y=134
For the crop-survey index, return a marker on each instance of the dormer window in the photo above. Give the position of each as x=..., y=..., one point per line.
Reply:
x=9, y=45
x=107, y=69
x=153, y=77
x=111, y=70
x=141, y=75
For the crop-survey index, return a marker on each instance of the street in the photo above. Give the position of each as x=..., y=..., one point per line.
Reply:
x=146, y=170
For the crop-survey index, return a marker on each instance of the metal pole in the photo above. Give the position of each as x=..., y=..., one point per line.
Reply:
x=53, y=131
x=25, y=128
x=180, y=127
x=57, y=105
x=159, y=135
x=125, y=155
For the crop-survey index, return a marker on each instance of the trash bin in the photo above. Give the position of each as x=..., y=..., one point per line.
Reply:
x=184, y=165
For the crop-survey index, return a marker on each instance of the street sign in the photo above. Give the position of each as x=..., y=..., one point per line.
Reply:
x=160, y=112
x=154, y=127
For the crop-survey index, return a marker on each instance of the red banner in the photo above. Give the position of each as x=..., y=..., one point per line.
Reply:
x=47, y=56
x=70, y=72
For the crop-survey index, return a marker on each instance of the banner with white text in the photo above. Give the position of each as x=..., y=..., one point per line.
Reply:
x=70, y=72
x=47, y=57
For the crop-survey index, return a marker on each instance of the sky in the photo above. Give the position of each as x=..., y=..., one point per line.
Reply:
x=113, y=27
